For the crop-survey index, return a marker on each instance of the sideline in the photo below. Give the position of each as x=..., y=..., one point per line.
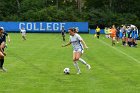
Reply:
x=120, y=51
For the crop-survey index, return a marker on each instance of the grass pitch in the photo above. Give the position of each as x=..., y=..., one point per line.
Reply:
x=36, y=66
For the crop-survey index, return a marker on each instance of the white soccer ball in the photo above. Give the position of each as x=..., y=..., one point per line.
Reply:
x=67, y=71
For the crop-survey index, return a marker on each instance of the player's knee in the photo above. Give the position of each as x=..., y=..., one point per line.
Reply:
x=76, y=59
x=1, y=56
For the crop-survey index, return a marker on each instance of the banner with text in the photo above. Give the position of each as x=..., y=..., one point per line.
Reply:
x=43, y=26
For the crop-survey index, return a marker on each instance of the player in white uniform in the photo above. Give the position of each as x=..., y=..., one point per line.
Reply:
x=23, y=33
x=78, y=46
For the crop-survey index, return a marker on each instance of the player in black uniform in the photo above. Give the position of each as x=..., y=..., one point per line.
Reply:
x=117, y=34
x=2, y=53
x=63, y=32
x=6, y=35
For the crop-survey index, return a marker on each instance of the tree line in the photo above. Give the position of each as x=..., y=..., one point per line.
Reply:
x=96, y=12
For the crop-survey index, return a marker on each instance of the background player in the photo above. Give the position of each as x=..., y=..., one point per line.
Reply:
x=63, y=33
x=113, y=34
x=23, y=33
x=98, y=32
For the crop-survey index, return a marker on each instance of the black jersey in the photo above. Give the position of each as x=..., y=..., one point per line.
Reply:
x=2, y=38
x=5, y=34
x=63, y=32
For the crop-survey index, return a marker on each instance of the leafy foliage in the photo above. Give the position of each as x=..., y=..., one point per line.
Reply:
x=96, y=12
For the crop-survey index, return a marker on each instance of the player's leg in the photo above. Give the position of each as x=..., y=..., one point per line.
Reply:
x=23, y=36
x=2, y=62
x=75, y=62
x=98, y=35
x=113, y=41
x=1, y=58
x=64, y=38
x=129, y=41
x=2, y=55
x=135, y=41
x=117, y=37
x=124, y=41
x=82, y=60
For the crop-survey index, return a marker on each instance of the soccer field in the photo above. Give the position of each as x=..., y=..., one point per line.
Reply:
x=36, y=66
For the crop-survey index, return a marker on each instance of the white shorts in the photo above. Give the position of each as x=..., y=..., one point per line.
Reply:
x=23, y=34
x=78, y=50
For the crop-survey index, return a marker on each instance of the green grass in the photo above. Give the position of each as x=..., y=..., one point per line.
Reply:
x=36, y=66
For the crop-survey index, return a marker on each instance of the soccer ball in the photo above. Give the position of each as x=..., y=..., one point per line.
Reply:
x=67, y=71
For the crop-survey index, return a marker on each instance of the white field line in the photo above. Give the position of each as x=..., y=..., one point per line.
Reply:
x=120, y=51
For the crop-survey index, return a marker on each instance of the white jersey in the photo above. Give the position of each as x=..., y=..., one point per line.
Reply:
x=23, y=31
x=75, y=41
x=133, y=26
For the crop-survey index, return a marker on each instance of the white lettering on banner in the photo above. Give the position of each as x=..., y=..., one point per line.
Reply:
x=41, y=27
x=55, y=26
x=29, y=26
x=21, y=25
x=35, y=27
x=62, y=25
x=49, y=26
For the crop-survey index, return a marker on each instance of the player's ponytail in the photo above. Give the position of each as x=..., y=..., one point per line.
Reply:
x=71, y=29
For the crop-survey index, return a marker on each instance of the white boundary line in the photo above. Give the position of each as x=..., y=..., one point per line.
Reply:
x=120, y=51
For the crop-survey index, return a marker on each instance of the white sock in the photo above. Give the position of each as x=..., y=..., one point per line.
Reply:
x=76, y=66
x=82, y=61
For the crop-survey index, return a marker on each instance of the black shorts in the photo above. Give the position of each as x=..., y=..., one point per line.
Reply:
x=129, y=36
x=117, y=34
x=63, y=34
x=98, y=33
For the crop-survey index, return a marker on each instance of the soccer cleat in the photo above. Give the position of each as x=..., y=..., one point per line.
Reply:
x=79, y=72
x=88, y=66
x=3, y=69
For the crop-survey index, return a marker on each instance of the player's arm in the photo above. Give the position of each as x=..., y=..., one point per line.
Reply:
x=66, y=44
x=1, y=48
x=83, y=43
